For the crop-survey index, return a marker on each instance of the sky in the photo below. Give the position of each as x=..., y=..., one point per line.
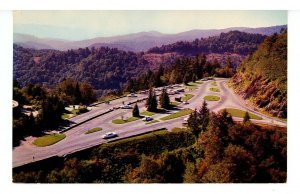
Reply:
x=79, y=25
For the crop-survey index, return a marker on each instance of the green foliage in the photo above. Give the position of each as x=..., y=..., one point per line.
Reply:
x=246, y=117
x=48, y=140
x=73, y=92
x=198, y=120
x=262, y=77
x=151, y=102
x=233, y=42
x=224, y=153
x=164, y=99
x=135, y=111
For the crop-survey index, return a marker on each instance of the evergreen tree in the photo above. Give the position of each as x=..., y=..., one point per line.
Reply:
x=151, y=102
x=204, y=116
x=186, y=79
x=164, y=99
x=77, y=94
x=194, y=78
x=135, y=111
x=246, y=117
x=194, y=122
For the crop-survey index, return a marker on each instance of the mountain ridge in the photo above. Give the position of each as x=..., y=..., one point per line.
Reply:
x=135, y=42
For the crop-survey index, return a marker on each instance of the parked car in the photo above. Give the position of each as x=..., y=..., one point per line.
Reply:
x=147, y=119
x=109, y=135
x=185, y=102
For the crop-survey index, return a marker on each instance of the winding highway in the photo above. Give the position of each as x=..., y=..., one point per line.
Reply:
x=76, y=139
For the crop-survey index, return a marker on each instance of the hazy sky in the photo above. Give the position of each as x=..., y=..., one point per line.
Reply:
x=77, y=25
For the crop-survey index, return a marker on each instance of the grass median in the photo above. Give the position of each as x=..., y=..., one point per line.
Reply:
x=187, y=97
x=148, y=113
x=241, y=113
x=214, y=84
x=48, y=140
x=214, y=89
x=177, y=114
x=93, y=130
x=212, y=98
x=130, y=119
x=142, y=136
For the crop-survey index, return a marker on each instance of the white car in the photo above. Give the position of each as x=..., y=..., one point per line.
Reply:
x=147, y=119
x=185, y=102
x=126, y=107
x=109, y=135
x=132, y=95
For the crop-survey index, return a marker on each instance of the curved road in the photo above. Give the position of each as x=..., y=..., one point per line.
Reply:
x=76, y=139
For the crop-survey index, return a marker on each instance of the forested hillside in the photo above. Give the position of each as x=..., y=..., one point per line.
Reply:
x=104, y=68
x=233, y=42
x=262, y=77
x=224, y=152
x=109, y=69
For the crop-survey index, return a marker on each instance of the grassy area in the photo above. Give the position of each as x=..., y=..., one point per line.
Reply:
x=175, y=103
x=187, y=97
x=93, y=130
x=192, y=85
x=130, y=119
x=199, y=82
x=148, y=113
x=65, y=116
x=177, y=129
x=48, y=140
x=153, y=121
x=241, y=113
x=212, y=98
x=214, y=84
x=177, y=114
x=214, y=89
x=142, y=136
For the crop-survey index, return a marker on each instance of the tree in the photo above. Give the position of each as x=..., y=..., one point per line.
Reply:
x=87, y=93
x=194, y=78
x=204, y=116
x=77, y=94
x=186, y=79
x=246, y=117
x=135, y=111
x=194, y=122
x=151, y=102
x=164, y=99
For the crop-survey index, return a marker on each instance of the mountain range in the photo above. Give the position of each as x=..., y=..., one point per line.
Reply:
x=135, y=42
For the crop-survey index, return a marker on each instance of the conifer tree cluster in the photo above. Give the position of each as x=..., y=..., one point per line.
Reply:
x=151, y=102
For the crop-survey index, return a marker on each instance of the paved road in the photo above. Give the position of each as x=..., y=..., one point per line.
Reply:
x=76, y=139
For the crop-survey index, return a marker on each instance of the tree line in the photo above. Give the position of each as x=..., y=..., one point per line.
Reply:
x=50, y=104
x=213, y=149
x=182, y=70
x=233, y=42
